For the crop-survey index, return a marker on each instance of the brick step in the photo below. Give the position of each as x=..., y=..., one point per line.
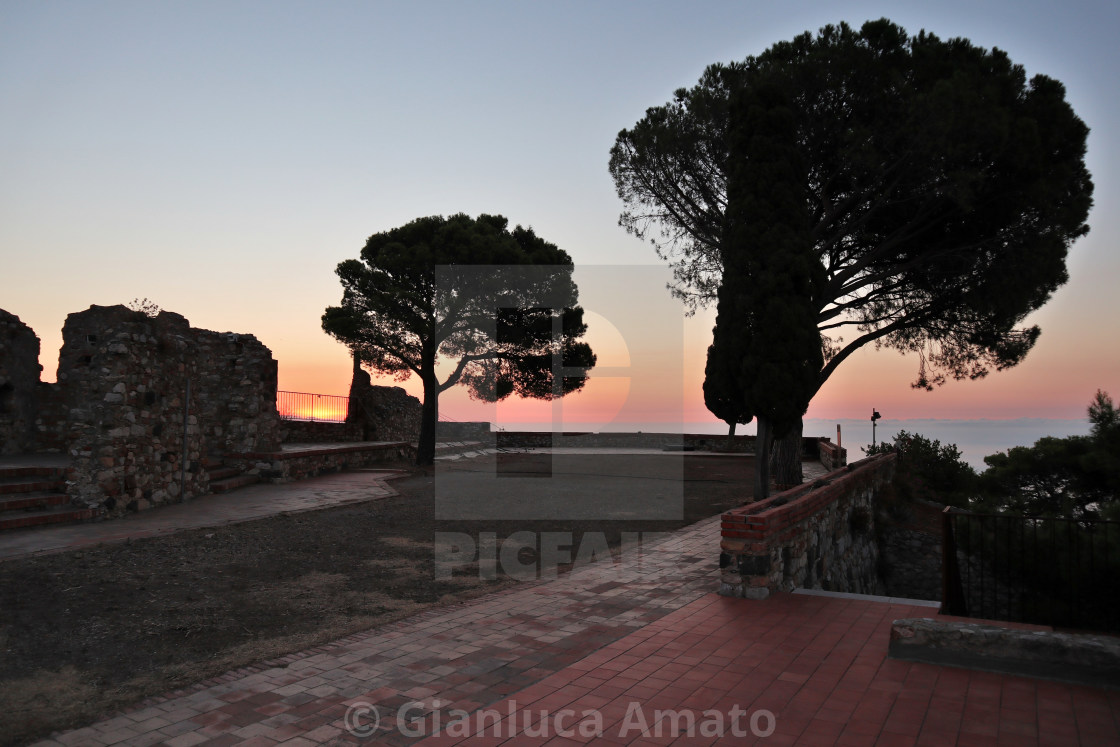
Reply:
x=458, y=447
x=45, y=517
x=30, y=484
x=27, y=502
x=232, y=483
x=52, y=473
x=221, y=473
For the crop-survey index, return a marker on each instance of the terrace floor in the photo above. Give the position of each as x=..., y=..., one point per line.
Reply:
x=636, y=651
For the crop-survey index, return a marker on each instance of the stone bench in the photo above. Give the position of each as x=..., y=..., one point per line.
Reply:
x=1031, y=651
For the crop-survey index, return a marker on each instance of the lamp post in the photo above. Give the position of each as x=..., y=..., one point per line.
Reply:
x=874, y=416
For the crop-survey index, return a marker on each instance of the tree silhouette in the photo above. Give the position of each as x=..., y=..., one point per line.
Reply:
x=500, y=304
x=943, y=190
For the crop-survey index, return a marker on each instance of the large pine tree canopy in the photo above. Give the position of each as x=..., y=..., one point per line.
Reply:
x=942, y=190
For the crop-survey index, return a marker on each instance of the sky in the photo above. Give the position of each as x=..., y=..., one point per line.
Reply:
x=221, y=158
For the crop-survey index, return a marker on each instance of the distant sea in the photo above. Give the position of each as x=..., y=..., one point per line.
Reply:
x=975, y=438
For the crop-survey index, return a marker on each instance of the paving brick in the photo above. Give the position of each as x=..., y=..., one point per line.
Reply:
x=605, y=636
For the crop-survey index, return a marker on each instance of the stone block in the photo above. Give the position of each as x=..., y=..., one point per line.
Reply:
x=754, y=565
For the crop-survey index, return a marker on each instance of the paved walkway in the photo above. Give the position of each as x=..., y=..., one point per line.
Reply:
x=244, y=504
x=632, y=652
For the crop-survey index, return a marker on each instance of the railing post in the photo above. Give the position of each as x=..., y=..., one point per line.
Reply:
x=952, y=596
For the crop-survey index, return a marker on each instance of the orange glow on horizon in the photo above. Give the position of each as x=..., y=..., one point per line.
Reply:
x=1057, y=380
x=312, y=407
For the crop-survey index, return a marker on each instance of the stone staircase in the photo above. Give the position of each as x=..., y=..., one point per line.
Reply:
x=452, y=450
x=223, y=478
x=36, y=496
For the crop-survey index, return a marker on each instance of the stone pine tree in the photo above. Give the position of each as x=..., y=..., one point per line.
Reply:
x=765, y=334
x=499, y=306
x=943, y=191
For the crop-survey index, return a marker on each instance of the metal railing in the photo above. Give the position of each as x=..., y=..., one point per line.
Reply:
x=1047, y=571
x=317, y=408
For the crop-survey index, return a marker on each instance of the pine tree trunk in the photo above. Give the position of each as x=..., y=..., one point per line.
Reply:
x=731, y=436
x=762, y=460
x=429, y=414
x=785, y=458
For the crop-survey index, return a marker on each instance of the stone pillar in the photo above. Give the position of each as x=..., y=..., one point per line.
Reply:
x=383, y=413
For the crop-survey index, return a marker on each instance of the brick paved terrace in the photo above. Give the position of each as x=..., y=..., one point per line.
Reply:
x=622, y=653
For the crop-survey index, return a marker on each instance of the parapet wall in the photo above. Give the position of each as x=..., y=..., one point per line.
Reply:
x=811, y=447
x=135, y=437
x=622, y=440
x=832, y=456
x=819, y=535
x=470, y=431
x=318, y=432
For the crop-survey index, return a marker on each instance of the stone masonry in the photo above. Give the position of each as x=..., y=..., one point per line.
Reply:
x=135, y=438
x=820, y=535
x=19, y=379
x=382, y=413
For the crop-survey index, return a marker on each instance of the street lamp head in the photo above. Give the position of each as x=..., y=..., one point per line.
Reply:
x=875, y=415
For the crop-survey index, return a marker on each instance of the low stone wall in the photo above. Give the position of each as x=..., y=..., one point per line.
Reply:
x=819, y=535
x=668, y=441
x=452, y=431
x=811, y=447
x=315, y=432
x=1027, y=650
x=279, y=467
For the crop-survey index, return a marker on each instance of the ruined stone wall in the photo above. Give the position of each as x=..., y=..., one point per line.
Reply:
x=382, y=413
x=19, y=379
x=52, y=418
x=819, y=535
x=135, y=438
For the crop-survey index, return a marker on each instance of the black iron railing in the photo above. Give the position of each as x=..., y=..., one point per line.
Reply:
x=321, y=408
x=1048, y=571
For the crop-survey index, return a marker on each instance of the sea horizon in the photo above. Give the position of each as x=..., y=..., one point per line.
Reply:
x=975, y=438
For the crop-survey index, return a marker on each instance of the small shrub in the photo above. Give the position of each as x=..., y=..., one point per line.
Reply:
x=145, y=307
x=928, y=470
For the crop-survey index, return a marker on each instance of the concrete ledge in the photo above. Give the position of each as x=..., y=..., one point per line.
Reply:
x=1082, y=659
x=299, y=461
x=868, y=598
x=304, y=451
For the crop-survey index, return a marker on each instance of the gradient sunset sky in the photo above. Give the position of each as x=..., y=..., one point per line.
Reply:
x=220, y=159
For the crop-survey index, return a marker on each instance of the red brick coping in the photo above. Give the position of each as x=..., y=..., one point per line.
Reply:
x=773, y=517
x=816, y=535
